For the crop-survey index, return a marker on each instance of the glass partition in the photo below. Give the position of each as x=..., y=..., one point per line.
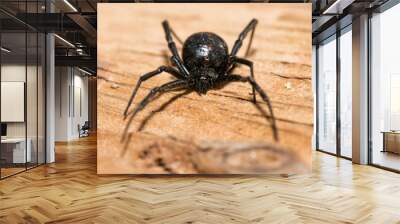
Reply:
x=13, y=94
x=23, y=90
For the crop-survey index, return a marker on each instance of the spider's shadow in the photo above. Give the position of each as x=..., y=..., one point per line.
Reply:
x=270, y=118
x=161, y=108
x=150, y=115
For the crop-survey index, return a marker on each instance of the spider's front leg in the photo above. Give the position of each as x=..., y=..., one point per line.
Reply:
x=169, y=86
x=147, y=76
x=176, y=59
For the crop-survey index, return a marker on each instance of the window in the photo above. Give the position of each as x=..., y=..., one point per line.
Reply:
x=327, y=95
x=346, y=75
x=385, y=89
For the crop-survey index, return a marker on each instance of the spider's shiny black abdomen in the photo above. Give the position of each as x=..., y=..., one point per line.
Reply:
x=205, y=52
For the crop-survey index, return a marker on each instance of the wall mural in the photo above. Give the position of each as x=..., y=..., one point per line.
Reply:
x=204, y=88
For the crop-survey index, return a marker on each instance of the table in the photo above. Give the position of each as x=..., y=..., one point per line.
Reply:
x=391, y=141
x=17, y=151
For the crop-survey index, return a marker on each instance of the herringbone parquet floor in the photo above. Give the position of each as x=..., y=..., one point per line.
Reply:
x=70, y=191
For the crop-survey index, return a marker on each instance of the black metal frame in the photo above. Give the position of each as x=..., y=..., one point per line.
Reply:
x=369, y=113
x=338, y=98
x=316, y=97
x=339, y=32
x=0, y=91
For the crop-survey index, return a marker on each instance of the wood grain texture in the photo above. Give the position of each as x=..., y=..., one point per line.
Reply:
x=70, y=191
x=222, y=131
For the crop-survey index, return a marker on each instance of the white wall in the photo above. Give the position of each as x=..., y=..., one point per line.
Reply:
x=16, y=73
x=360, y=89
x=33, y=127
x=81, y=103
x=9, y=73
x=71, y=94
x=50, y=94
x=62, y=81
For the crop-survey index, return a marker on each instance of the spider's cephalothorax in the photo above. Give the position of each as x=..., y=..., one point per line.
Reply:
x=205, y=62
x=206, y=57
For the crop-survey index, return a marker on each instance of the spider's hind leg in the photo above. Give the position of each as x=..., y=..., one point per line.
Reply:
x=238, y=43
x=251, y=27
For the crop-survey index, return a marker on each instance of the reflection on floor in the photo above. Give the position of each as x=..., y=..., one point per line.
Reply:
x=387, y=159
x=70, y=191
x=10, y=169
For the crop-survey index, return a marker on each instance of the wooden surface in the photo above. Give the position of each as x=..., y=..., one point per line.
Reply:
x=70, y=191
x=222, y=131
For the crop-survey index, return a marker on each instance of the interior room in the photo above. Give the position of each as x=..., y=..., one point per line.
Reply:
x=50, y=76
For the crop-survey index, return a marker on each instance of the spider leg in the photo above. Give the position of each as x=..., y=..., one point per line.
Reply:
x=260, y=91
x=147, y=76
x=173, y=85
x=250, y=65
x=172, y=47
x=238, y=43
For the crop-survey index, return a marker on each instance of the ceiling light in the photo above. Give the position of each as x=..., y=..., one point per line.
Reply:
x=70, y=5
x=84, y=71
x=64, y=40
x=80, y=51
x=337, y=7
x=5, y=50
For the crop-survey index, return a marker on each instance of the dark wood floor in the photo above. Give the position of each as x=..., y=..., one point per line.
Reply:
x=70, y=191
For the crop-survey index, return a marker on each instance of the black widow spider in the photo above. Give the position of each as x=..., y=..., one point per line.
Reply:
x=206, y=62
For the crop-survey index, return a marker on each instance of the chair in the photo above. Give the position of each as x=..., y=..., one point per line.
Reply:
x=84, y=130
